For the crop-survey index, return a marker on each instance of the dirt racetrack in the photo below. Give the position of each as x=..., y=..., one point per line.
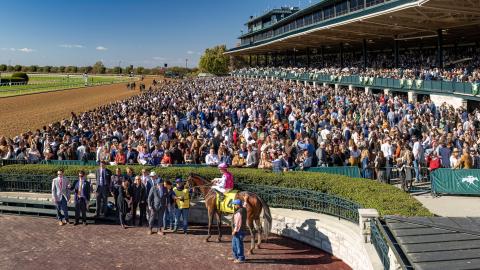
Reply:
x=20, y=114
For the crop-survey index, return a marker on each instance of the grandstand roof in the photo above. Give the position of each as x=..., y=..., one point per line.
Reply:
x=405, y=20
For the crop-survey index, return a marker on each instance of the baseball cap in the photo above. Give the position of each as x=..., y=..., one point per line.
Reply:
x=237, y=202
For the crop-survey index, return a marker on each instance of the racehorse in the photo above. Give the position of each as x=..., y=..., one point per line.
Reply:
x=253, y=204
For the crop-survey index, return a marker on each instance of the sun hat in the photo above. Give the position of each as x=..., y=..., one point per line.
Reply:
x=153, y=173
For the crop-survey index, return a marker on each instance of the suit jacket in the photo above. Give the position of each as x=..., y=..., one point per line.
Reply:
x=108, y=176
x=139, y=193
x=131, y=156
x=86, y=190
x=157, y=198
x=59, y=191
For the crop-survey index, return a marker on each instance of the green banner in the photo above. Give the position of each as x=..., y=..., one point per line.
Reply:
x=475, y=89
x=451, y=181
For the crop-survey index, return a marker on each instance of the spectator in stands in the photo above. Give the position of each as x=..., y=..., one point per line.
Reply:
x=212, y=159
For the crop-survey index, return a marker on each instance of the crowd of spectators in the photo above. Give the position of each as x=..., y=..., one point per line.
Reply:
x=461, y=65
x=272, y=125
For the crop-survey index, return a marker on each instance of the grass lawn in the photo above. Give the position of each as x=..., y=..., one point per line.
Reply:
x=43, y=83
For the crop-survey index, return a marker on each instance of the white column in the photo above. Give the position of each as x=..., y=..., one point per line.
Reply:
x=412, y=97
x=324, y=84
x=368, y=91
x=314, y=83
x=386, y=91
x=337, y=86
x=350, y=87
x=365, y=216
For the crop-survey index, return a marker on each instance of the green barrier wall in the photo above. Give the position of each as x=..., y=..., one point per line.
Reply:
x=448, y=181
x=347, y=171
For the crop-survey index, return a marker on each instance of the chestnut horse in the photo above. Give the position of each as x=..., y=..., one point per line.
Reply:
x=253, y=204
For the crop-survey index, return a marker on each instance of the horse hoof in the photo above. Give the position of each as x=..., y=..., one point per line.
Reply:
x=219, y=240
x=258, y=246
x=206, y=240
x=250, y=252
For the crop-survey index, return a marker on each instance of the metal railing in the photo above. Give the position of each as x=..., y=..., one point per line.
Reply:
x=380, y=244
x=307, y=200
x=462, y=88
x=275, y=196
x=27, y=183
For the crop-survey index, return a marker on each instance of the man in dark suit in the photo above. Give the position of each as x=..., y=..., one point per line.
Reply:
x=139, y=195
x=103, y=176
x=157, y=201
x=131, y=155
x=82, y=197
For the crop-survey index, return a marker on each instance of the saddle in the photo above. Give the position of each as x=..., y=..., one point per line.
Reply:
x=225, y=201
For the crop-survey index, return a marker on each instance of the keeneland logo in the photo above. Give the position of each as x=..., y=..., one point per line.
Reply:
x=469, y=179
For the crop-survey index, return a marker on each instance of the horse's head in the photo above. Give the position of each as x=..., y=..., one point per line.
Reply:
x=195, y=180
x=199, y=183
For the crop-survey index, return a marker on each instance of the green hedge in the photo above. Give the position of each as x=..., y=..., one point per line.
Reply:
x=387, y=199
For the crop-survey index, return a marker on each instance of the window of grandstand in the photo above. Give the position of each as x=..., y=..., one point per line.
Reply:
x=328, y=12
x=341, y=8
x=356, y=5
x=308, y=19
x=317, y=17
x=369, y=3
x=299, y=23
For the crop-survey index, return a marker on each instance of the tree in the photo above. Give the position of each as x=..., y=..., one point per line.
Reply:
x=33, y=68
x=99, y=68
x=61, y=69
x=3, y=67
x=215, y=61
x=140, y=70
x=17, y=68
x=117, y=70
x=71, y=69
x=129, y=69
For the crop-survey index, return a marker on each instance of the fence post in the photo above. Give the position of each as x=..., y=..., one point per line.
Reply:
x=365, y=216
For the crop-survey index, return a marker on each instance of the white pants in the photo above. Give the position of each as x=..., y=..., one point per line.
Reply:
x=221, y=189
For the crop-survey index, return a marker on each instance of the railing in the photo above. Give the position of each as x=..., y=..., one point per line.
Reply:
x=379, y=242
x=306, y=200
x=69, y=162
x=462, y=88
x=27, y=183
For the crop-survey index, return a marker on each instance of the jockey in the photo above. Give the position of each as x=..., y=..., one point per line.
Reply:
x=225, y=183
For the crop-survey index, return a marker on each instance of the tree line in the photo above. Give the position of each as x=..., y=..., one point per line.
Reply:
x=97, y=68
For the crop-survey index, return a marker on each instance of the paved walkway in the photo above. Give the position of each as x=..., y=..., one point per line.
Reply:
x=39, y=243
x=451, y=206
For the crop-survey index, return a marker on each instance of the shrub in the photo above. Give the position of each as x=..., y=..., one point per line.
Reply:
x=20, y=75
x=387, y=199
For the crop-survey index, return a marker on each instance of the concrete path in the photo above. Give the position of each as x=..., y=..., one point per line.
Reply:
x=451, y=206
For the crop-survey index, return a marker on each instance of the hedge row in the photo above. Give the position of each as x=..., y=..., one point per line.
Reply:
x=387, y=199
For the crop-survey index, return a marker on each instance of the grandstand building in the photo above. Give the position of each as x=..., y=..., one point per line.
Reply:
x=377, y=34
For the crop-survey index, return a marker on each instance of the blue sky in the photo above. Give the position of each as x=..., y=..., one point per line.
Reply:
x=142, y=32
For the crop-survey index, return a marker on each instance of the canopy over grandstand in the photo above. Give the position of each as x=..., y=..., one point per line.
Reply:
x=356, y=26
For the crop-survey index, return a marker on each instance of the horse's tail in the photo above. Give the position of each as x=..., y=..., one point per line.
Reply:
x=267, y=218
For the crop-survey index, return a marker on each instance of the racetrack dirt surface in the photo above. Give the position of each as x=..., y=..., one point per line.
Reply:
x=20, y=114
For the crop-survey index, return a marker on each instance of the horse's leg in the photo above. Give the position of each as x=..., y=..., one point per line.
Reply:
x=219, y=226
x=210, y=220
x=251, y=228
x=259, y=231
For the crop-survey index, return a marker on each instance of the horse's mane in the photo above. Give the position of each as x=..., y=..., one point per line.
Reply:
x=199, y=177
